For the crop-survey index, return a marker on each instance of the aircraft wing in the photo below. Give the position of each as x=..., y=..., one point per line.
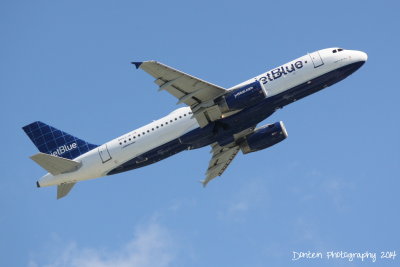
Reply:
x=194, y=92
x=221, y=158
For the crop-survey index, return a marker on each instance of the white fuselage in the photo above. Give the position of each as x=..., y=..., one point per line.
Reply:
x=101, y=160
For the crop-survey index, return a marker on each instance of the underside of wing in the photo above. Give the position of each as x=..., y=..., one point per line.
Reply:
x=194, y=92
x=187, y=88
x=221, y=158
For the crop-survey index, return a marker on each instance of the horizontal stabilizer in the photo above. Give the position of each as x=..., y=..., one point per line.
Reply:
x=63, y=189
x=55, y=165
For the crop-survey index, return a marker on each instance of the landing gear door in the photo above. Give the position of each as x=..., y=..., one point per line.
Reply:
x=104, y=153
x=316, y=59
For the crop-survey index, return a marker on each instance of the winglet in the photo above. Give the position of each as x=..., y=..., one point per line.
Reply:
x=204, y=182
x=137, y=64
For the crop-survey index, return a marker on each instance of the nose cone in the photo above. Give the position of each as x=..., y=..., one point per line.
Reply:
x=362, y=56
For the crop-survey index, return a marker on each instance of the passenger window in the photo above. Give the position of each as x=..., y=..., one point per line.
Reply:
x=120, y=143
x=157, y=127
x=180, y=117
x=152, y=129
x=148, y=131
x=162, y=125
x=184, y=114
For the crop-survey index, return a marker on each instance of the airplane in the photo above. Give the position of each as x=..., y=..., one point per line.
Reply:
x=225, y=119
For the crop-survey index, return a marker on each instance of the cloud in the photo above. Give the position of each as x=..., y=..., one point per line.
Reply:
x=250, y=196
x=152, y=245
x=240, y=206
x=322, y=186
x=337, y=189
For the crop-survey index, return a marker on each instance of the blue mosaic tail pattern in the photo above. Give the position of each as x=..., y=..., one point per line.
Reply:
x=52, y=141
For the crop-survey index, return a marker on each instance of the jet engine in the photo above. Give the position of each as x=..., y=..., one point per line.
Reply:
x=242, y=97
x=264, y=137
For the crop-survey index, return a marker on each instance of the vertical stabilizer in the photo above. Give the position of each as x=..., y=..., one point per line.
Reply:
x=52, y=141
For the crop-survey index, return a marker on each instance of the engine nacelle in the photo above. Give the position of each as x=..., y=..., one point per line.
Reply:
x=243, y=97
x=264, y=137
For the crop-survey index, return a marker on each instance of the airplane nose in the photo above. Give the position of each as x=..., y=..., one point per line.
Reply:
x=362, y=56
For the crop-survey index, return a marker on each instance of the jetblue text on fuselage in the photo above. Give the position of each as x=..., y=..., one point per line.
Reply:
x=278, y=72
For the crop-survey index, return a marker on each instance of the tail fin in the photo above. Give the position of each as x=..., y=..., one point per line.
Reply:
x=52, y=141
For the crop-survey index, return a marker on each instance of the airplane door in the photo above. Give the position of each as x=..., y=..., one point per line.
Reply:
x=316, y=59
x=104, y=154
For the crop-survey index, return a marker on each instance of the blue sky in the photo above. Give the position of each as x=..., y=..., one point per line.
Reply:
x=333, y=185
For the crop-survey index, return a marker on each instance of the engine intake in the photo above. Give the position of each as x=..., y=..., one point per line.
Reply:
x=264, y=137
x=240, y=98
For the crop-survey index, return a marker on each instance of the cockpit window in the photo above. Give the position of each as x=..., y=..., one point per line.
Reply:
x=337, y=50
